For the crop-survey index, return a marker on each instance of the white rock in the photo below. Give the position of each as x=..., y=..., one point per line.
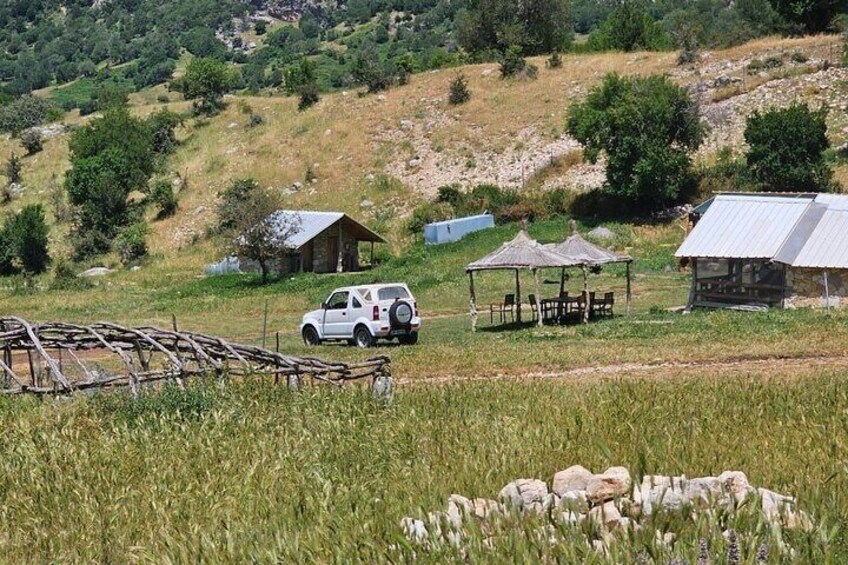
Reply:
x=605, y=515
x=414, y=530
x=95, y=272
x=735, y=483
x=406, y=124
x=366, y=204
x=458, y=507
x=612, y=483
x=522, y=493
x=574, y=478
x=665, y=539
x=575, y=500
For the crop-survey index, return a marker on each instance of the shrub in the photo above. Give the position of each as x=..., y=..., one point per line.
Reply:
x=512, y=62
x=787, y=149
x=260, y=27
x=255, y=120
x=308, y=95
x=799, y=57
x=162, y=195
x=459, y=93
x=65, y=276
x=162, y=125
x=31, y=140
x=26, y=112
x=427, y=214
x=163, y=98
x=206, y=81
x=555, y=60
x=24, y=242
x=13, y=170
x=131, y=243
x=755, y=66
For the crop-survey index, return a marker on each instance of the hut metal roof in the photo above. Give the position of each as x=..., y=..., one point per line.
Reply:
x=312, y=224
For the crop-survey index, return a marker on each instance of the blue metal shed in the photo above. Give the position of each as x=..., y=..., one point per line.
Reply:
x=454, y=230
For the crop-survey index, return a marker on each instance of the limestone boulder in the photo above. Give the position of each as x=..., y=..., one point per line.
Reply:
x=524, y=493
x=575, y=478
x=606, y=515
x=612, y=483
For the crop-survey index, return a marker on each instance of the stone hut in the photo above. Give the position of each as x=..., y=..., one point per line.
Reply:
x=322, y=242
x=754, y=251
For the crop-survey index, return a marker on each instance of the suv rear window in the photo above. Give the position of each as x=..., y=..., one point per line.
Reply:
x=392, y=293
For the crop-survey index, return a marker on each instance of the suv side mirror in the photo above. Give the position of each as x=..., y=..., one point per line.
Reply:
x=323, y=306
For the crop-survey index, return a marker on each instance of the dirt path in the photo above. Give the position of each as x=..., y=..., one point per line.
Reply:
x=777, y=365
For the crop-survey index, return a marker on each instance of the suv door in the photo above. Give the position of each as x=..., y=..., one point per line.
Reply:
x=336, y=316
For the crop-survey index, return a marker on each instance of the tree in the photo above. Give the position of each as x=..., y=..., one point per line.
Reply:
x=249, y=218
x=810, y=16
x=110, y=158
x=647, y=128
x=162, y=195
x=537, y=26
x=459, y=93
x=23, y=240
x=786, y=149
x=629, y=28
x=206, y=81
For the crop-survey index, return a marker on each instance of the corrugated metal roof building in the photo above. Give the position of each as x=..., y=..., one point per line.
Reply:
x=769, y=249
x=321, y=242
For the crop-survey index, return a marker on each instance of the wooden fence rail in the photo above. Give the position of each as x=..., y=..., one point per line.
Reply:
x=62, y=358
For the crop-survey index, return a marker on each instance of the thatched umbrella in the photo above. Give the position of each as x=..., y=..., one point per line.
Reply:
x=577, y=248
x=519, y=254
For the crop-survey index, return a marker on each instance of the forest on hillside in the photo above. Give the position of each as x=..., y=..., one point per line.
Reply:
x=133, y=44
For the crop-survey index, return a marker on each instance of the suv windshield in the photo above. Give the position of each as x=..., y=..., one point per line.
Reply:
x=392, y=293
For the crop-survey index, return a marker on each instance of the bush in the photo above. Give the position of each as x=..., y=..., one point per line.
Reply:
x=255, y=120
x=308, y=95
x=24, y=242
x=26, y=112
x=512, y=62
x=787, y=149
x=427, y=214
x=459, y=93
x=799, y=57
x=131, y=243
x=555, y=60
x=162, y=195
x=260, y=27
x=65, y=276
x=13, y=170
x=162, y=125
x=31, y=140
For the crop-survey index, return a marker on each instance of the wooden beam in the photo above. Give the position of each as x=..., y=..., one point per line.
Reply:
x=538, y=298
x=627, y=291
x=517, y=296
x=586, y=304
x=472, y=303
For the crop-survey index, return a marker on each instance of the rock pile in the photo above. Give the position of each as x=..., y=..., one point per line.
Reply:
x=610, y=504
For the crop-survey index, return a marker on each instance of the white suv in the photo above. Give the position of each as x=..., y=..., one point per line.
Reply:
x=361, y=315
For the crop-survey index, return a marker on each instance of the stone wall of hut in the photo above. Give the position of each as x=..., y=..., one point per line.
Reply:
x=805, y=288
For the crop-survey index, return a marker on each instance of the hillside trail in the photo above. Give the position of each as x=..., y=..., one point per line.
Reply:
x=779, y=366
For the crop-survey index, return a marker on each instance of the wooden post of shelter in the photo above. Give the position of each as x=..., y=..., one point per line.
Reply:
x=340, y=259
x=562, y=282
x=627, y=292
x=693, y=294
x=517, y=296
x=586, y=305
x=826, y=293
x=538, y=298
x=472, y=302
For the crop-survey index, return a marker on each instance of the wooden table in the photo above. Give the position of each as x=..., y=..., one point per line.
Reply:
x=562, y=306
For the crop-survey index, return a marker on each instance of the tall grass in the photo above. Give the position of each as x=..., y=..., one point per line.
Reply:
x=255, y=474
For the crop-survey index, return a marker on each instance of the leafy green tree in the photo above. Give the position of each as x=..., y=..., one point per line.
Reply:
x=162, y=195
x=201, y=42
x=810, y=16
x=647, y=128
x=252, y=229
x=786, y=149
x=162, y=125
x=537, y=26
x=131, y=243
x=629, y=28
x=110, y=157
x=206, y=81
x=24, y=243
x=13, y=170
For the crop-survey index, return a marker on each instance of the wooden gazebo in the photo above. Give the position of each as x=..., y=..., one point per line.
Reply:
x=522, y=253
x=589, y=255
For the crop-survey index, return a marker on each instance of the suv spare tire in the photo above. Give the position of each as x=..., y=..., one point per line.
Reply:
x=400, y=315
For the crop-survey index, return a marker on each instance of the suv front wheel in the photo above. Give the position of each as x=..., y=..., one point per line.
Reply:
x=362, y=337
x=310, y=336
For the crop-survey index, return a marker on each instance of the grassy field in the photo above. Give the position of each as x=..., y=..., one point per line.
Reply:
x=255, y=474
